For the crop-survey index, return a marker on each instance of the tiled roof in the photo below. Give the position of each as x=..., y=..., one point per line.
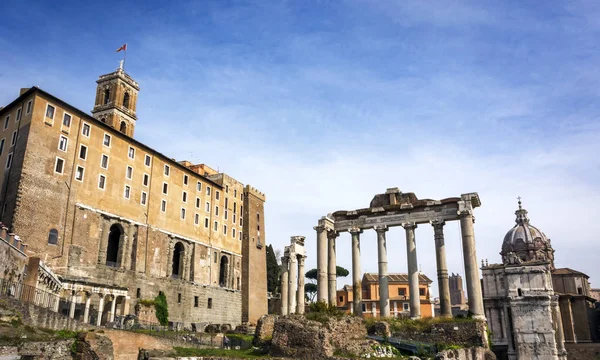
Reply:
x=394, y=278
x=567, y=271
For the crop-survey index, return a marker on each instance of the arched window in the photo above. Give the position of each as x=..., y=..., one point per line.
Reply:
x=112, y=250
x=178, y=261
x=126, y=100
x=223, y=273
x=106, y=96
x=123, y=127
x=103, y=120
x=53, y=237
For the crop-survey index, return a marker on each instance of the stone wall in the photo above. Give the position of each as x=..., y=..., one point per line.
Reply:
x=586, y=351
x=477, y=353
x=12, y=262
x=467, y=333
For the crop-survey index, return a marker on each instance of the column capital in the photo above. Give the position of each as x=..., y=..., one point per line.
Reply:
x=409, y=225
x=380, y=228
x=285, y=259
x=319, y=228
x=301, y=259
x=437, y=223
x=355, y=230
x=332, y=234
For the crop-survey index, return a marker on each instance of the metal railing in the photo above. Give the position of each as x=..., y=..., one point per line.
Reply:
x=29, y=294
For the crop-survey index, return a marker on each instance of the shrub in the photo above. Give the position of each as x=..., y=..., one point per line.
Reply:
x=161, y=308
x=146, y=302
x=321, y=311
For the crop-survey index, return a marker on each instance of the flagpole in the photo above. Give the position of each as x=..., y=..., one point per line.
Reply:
x=125, y=57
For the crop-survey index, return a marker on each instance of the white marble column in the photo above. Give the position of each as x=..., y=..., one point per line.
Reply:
x=100, y=310
x=558, y=327
x=413, y=271
x=113, y=306
x=384, y=291
x=86, y=312
x=475, y=298
x=356, y=272
x=72, y=305
x=292, y=284
x=442, y=268
x=322, y=286
x=300, y=292
x=331, y=267
x=284, y=285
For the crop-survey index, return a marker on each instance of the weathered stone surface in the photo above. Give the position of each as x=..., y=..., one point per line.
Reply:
x=264, y=329
x=57, y=350
x=476, y=353
x=93, y=346
x=467, y=334
x=381, y=328
x=40, y=317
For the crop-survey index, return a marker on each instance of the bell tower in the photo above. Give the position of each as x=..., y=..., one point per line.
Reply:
x=116, y=101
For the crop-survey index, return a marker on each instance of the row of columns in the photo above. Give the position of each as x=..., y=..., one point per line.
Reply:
x=292, y=284
x=88, y=299
x=326, y=266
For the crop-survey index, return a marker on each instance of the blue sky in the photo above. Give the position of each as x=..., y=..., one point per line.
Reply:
x=322, y=104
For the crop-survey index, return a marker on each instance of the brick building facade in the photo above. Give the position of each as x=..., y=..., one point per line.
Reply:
x=100, y=207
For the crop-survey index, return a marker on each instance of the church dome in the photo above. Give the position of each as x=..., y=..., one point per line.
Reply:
x=526, y=241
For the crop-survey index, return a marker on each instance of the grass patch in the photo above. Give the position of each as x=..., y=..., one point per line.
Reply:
x=423, y=325
x=66, y=334
x=321, y=311
x=242, y=354
x=241, y=337
x=146, y=302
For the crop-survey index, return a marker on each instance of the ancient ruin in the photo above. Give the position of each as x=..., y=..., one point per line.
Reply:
x=395, y=208
x=292, y=277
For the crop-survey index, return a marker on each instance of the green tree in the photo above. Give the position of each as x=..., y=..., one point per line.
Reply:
x=161, y=309
x=272, y=271
x=310, y=288
x=311, y=291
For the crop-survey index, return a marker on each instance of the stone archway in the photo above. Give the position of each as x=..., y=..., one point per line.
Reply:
x=177, y=261
x=224, y=272
x=115, y=239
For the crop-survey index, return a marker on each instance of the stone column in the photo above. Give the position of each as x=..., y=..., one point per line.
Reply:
x=356, y=274
x=300, y=292
x=292, y=284
x=126, y=263
x=284, y=285
x=384, y=291
x=471, y=267
x=72, y=305
x=86, y=312
x=104, y=240
x=322, y=286
x=113, y=305
x=509, y=335
x=558, y=327
x=442, y=268
x=100, y=310
x=331, y=267
x=413, y=271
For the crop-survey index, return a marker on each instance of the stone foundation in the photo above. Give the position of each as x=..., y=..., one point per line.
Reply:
x=466, y=354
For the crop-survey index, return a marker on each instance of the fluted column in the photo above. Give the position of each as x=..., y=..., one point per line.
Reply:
x=284, y=285
x=300, y=292
x=471, y=267
x=100, y=310
x=322, y=286
x=356, y=274
x=413, y=271
x=384, y=291
x=442, y=268
x=331, y=267
x=292, y=284
x=86, y=312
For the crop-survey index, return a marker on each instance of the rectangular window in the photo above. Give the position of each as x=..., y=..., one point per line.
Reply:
x=146, y=180
x=147, y=160
x=196, y=219
x=196, y=301
x=59, y=165
x=2, y=145
x=198, y=186
x=6, y=122
x=241, y=221
x=185, y=179
x=224, y=229
x=79, y=173
x=165, y=188
x=206, y=223
x=85, y=130
x=216, y=210
x=8, y=161
x=129, y=172
x=66, y=120
x=234, y=218
x=217, y=195
x=234, y=193
x=233, y=233
x=240, y=235
x=209, y=304
x=13, y=140
x=163, y=205
x=182, y=214
x=167, y=170
x=207, y=207
x=18, y=114
x=216, y=226
x=197, y=199
x=28, y=107
x=106, y=140
x=421, y=292
x=144, y=198
x=101, y=182
x=226, y=214
x=401, y=292
x=184, y=197
x=405, y=306
x=62, y=143
x=226, y=203
x=104, y=161
x=127, y=192
x=179, y=298
x=83, y=152
x=50, y=112
x=208, y=190
x=131, y=153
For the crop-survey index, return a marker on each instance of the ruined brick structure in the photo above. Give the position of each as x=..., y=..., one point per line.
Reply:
x=105, y=211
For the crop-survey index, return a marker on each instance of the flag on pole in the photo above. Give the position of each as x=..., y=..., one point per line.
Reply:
x=124, y=48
